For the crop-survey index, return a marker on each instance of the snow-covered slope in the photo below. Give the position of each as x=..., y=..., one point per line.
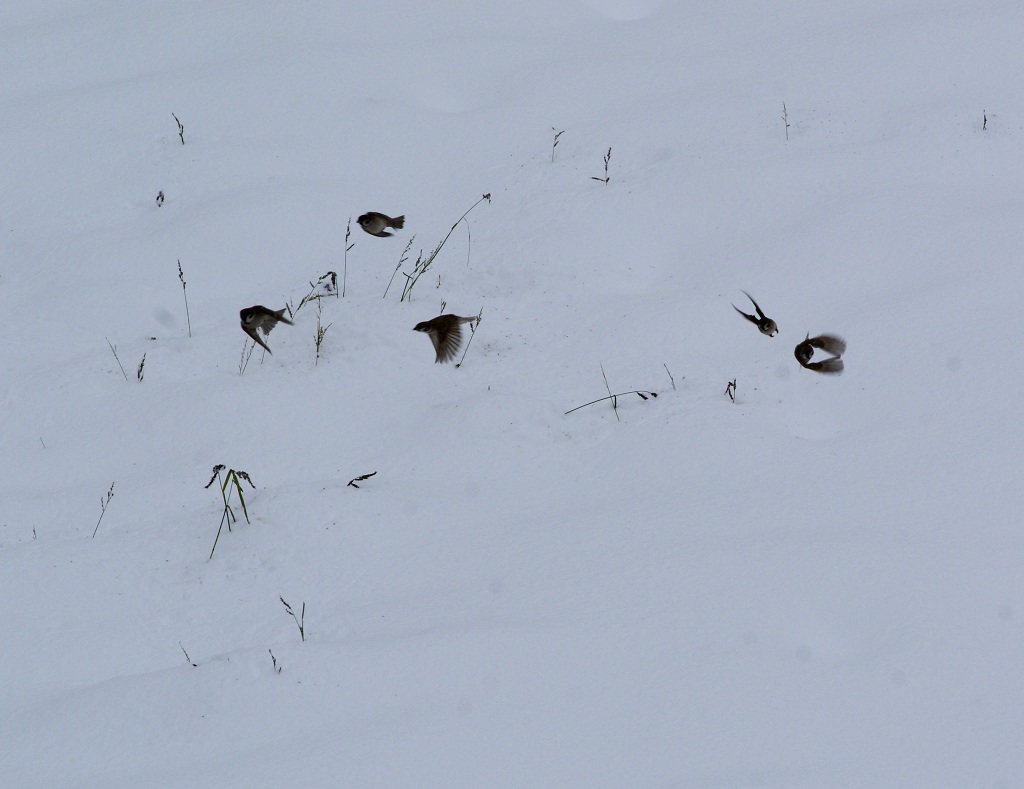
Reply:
x=818, y=584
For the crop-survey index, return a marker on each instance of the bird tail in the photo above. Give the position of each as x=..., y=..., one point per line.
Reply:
x=280, y=316
x=398, y=222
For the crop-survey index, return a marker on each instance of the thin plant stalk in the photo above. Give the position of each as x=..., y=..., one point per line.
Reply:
x=614, y=398
x=188, y=317
x=113, y=350
x=321, y=330
x=243, y=362
x=554, y=143
x=300, y=621
x=103, y=507
x=404, y=257
x=670, y=377
x=344, y=276
x=472, y=333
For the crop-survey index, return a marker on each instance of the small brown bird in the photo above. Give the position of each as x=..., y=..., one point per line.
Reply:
x=445, y=332
x=764, y=324
x=829, y=343
x=259, y=317
x=376, y=224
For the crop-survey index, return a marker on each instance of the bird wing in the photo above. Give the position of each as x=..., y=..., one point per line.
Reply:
x=761, y=314
x=750, y=318
x=447, y=343
x=829, y=343
x=255, y=338
x=832, y=366
x=437, y=343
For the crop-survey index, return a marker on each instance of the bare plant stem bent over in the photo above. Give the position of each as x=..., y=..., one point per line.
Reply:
x=642, y=394
x=422, y=265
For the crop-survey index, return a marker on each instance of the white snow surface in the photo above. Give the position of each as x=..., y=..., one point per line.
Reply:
x=820, y=584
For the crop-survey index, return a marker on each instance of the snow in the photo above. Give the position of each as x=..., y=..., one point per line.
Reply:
x=818, y=584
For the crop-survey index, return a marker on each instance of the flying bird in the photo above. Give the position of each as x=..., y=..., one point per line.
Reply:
x=764, y=324
x=260, y=318
x=445, y=332
x=376, y=224
x=829, y=343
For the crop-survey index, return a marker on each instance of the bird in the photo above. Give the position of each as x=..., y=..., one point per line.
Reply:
x=259, y=317
x=830, y=343
x=764, y=324
x=445, y=332
x=375, y=224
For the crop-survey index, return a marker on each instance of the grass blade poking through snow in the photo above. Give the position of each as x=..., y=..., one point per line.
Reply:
x=554, y=143
x=362, y=477
x=300, y=622
x=607, y=178
x=228, y=515
x=194, y=665
x=321, y=330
